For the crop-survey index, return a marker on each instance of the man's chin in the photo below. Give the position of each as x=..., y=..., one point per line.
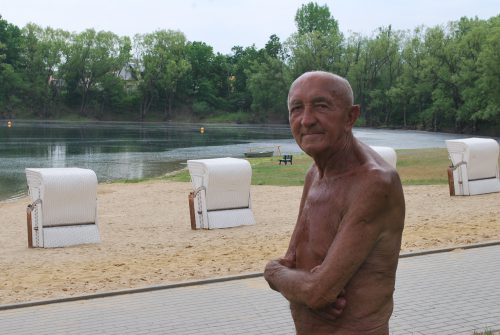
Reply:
x=312, y=150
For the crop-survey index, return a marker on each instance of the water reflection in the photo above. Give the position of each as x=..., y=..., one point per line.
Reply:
x=116, y=150
x=57, y=155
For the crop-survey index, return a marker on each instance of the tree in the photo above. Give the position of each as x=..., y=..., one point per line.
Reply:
x=274, y=48
x=488, y=83
x=311, y=17
x=91, y=56
x=374, y=66
x=477, y=74
x=241, y=61
x=42, y=58
x=317, y=45
x=268, y=82
x=206, y=79
x=11, y=83
x=408, y=94
x=163, y=67
x=439, y=69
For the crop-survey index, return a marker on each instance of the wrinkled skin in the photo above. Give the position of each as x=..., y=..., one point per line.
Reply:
x=339, y=270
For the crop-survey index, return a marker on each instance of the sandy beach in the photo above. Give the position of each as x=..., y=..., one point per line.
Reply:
x=147, y=239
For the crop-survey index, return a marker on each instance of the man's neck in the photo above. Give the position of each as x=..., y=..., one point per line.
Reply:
x=339, y=160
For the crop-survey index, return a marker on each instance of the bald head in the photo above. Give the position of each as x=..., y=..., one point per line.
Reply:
x=338, y=85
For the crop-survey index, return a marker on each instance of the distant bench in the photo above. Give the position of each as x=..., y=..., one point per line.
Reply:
x=286, y=159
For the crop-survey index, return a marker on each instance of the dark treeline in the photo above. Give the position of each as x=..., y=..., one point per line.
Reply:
x=443, y=78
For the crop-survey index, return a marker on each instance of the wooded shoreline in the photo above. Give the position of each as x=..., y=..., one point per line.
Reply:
x=441, y=78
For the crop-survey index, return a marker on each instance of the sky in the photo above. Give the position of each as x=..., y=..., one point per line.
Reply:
x=223, y=24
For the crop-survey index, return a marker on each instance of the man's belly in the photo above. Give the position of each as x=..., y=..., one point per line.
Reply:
x=309, y=321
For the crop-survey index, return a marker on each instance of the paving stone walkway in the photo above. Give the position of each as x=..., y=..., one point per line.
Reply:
x=456, y=292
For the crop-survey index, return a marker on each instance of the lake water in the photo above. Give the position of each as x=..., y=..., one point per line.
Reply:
x=116, y=150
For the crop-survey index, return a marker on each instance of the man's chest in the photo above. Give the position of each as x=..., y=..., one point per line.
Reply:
x=319, y=222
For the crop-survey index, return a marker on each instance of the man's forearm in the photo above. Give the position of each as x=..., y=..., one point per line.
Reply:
x=291, y=283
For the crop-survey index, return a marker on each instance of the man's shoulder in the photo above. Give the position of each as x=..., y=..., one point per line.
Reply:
x=383, y=174
x=378, y=181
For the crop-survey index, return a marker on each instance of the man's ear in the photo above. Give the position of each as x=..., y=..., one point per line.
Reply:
x=352, y=116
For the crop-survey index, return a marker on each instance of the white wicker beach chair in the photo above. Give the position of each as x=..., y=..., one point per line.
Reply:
x=221, y=196
x=474, y=168
x=64, y=208
x=387, y=153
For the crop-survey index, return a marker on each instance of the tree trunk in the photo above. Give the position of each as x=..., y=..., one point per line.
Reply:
x=85, y=93
x=404, y=116
x=168, y=106
x=145, y=106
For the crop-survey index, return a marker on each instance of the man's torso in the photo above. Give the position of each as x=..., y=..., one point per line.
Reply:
x=369, y=292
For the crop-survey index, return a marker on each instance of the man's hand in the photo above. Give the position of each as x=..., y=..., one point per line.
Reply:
x=289, y=263
x=271, y=268
x=333, y=311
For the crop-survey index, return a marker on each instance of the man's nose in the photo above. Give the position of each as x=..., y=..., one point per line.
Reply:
x=308, y=117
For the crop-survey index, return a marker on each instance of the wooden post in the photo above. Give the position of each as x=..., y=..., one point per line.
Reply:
x=451, y=183
x=30, y=226
x=191, y=210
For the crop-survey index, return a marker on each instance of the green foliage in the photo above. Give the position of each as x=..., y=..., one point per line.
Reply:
x=268, y=84
x=317, y=43
x=236, y=117
x=162, y=66
x=11, y=81
x=311, y=17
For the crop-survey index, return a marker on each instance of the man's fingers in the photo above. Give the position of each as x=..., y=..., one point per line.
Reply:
x=286, y=262
x=338, y=307
x=340, y=302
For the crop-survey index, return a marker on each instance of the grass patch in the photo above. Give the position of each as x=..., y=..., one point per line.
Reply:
x=415, y=167
x=267, y=171
x=423, y=166
x=181, y=175
x=131, y=181
x=487, y=332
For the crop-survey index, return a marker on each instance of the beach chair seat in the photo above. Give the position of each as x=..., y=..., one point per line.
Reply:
x=64, y=207
x=286, y=159
x=474, y=166
x=387, y=153
x=221, y=193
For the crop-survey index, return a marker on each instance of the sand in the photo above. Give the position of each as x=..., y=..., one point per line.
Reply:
x=147, y=240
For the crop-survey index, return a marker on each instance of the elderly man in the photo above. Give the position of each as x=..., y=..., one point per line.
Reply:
x=339, y=270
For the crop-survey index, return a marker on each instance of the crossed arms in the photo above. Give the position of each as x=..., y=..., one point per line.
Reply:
x=359, y=231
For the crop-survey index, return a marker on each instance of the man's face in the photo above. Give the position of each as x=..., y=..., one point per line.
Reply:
x=318, y=117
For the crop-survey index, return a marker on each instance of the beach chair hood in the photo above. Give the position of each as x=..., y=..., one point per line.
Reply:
x=387, y=153
x=222, y=188
x=475, y=165
x=64, y=208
